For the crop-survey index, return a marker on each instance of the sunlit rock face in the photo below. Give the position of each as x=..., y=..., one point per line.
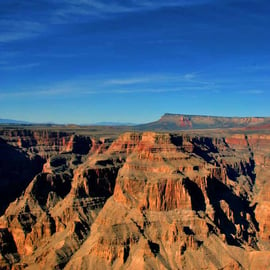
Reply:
x=190, y=122
x=145, y=200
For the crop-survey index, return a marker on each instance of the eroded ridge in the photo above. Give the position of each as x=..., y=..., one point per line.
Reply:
x=144, y=200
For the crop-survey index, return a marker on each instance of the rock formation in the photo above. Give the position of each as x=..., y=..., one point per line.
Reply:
x=173, y=122
x=145, y=200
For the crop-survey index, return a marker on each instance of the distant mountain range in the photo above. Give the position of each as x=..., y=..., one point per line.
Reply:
x=171, y=122
x=175, y=122
x=12, y=121
x=114, y=124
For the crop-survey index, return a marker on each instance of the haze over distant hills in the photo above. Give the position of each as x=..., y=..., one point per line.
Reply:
x=174, y=122
x=12, y=121
x=171, y=122
x=114, y=124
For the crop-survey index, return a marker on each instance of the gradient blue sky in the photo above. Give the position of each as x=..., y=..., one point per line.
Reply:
x=85, y=61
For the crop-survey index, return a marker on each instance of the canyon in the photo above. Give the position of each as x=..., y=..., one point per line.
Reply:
x=82, y=198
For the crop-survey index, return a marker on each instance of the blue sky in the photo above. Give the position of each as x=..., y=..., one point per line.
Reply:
x=85, y=61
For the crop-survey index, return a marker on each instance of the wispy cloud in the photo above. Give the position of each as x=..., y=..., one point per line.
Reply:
x=92, y=7
x=12, y=30
x=102, y=8
x=34, y=93
x=13, y=36
x=127, y=81
x=148, y=83
x=180, y=89
x=151, y=83
x=171, y=3
x=60, y=55
x=252, y=92
x=70, y=11
x=7, y=66
x=158, y=79
x=190, y=76
x=187, y=84
x=131, y=5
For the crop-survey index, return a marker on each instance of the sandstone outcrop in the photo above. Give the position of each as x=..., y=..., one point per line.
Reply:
x=142, y=201
x=24, y=152
x=173, y=122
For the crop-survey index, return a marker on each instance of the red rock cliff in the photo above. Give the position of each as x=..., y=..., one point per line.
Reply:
x=146, y=200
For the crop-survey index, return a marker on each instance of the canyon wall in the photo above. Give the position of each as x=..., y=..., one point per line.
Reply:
x=145, y=200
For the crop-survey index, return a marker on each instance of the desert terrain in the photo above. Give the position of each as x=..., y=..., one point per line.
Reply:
x=180, y=193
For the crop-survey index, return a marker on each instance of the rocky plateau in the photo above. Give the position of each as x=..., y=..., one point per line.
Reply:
x=174, y=122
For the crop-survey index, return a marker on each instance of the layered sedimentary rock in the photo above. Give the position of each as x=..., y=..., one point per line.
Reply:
x=172, y=122
x=143, y=201
x=23, y=153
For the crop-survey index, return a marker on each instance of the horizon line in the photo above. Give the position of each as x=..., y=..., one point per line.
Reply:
x=118, y=123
